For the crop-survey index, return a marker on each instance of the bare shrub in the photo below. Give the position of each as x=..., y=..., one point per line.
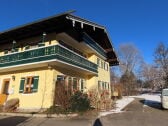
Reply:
x=62, y=96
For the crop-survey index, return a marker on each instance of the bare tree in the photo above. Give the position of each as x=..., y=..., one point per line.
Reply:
x=130, y=60
x=130, y=57
x=152, y=76
x=161, y=59
x=114, y=78
x=128, y=80
x=62, y=96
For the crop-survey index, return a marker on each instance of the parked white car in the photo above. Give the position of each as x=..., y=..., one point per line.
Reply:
x=164, y=98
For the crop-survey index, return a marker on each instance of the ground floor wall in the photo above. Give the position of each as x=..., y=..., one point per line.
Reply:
x=35, y=88
x=29, y=97
x=96, y=86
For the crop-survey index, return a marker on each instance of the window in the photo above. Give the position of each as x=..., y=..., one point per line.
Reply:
x=102, y=64
x=70, y=85
x=29, y=84
x=103, y=85
x=106, y=66
x=98, y=61
x=82, y=85
x=75, y=84
x=108, y=85
x=99, y=85
x=5, y=86
x=60, y=78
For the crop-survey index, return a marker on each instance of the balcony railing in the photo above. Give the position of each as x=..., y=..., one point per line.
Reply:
x=56, y=52
x=89, y=41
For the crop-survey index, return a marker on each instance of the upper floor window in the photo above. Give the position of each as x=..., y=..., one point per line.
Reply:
x=102, y=64
x=106, y=66
x=98, y=62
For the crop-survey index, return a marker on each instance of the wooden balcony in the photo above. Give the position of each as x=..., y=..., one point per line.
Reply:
x=41, y=54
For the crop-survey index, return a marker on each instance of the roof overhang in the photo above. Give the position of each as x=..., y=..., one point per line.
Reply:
x=60, y=23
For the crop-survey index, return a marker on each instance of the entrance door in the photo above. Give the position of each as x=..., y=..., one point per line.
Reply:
x=5, y=86
x=4, y=91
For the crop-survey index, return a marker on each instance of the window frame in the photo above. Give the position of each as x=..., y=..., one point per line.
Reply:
x=28, y=84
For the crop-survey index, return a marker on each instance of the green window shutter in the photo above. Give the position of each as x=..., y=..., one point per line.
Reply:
x=22, y=82
x=35, y=83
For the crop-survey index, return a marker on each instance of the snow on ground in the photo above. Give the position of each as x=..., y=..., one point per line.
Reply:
x=150, y=99
x=119, y=105
x=122, y=103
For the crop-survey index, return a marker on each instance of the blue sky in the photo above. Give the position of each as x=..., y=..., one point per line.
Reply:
x=141, y=22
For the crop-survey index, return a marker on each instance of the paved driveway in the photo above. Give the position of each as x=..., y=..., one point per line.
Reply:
x=138, y=114
x=135, y=114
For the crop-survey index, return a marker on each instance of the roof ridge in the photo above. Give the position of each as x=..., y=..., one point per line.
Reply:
x=38, y=20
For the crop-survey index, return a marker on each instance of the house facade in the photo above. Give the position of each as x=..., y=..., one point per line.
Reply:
x=36, y=56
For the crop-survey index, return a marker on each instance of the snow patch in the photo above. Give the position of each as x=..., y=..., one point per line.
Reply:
x=150, y=99
x=122, y=103
x=119, y=105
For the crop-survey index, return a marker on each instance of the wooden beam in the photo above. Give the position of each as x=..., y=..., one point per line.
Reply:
x=112, y=60
x=109, y=50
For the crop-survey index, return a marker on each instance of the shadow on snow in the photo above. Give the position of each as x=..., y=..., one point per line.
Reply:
x=151, y=103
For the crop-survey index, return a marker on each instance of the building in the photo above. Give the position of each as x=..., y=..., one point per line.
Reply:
x=36, y=56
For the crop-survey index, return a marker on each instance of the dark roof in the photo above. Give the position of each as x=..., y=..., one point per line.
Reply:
x=59, y=23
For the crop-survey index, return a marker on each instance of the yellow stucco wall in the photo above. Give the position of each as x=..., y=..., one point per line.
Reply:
x=47, y=78
x=40, y=99
x=103, y=75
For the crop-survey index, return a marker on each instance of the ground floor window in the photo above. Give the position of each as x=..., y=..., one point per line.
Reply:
x=75, y=83
x=103, y=85
x=82, y=83
x=71, y=84
x=29, y=84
